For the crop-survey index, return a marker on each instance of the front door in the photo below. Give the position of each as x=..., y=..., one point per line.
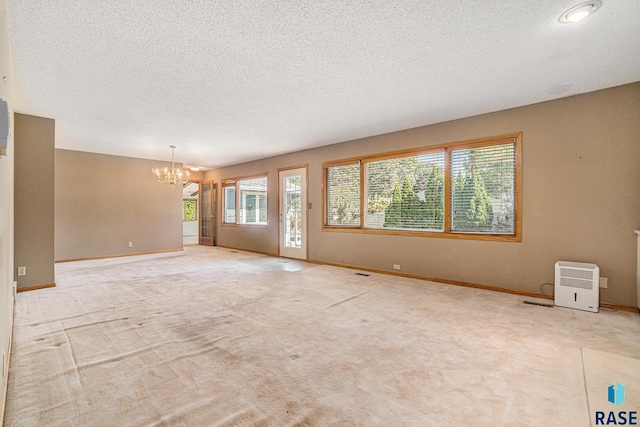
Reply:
x=207, y=218
x=292, y=188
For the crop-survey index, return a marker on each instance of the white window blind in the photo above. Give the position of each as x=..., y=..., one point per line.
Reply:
x=406, y=193
x=483, y=189
x=343, y=195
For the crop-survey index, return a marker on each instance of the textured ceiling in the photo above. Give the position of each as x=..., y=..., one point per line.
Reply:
x=232, y=81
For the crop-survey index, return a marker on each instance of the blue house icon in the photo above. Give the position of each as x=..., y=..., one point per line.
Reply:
x=616, y=394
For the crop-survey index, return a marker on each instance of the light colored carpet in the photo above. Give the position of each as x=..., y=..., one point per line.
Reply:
x=217, y=337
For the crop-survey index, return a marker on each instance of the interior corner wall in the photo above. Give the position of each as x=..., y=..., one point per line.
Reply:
x=6, y=209
x=581, y=198
x=103, y=202
x=34, y=196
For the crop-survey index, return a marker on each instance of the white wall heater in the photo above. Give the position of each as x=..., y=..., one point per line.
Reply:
x=577, y=285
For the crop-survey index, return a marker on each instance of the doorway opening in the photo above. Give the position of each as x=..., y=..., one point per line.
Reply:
x=190, y=210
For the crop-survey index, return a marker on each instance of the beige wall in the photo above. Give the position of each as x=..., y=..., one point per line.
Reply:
x=581, y=198
x=34, y=195
x=103, y=202
x=6, y=209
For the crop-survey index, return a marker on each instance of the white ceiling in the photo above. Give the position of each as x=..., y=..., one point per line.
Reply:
x=232, y=81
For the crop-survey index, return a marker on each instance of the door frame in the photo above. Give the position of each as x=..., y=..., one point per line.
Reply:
x=207, y=241
x=305, y=208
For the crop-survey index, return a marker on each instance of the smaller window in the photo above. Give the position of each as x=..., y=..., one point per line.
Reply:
x=245, y=201
x=230, y=204
x=483, y=195
x=342, y=183
x=189, y=210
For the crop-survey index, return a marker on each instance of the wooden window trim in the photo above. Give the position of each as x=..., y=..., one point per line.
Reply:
x=232, y=181
x=447, y=233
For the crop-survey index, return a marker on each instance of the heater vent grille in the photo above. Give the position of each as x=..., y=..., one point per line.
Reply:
x=576, y=283
x=576, y=274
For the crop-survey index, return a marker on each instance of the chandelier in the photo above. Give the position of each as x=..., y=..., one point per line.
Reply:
x=171, y=176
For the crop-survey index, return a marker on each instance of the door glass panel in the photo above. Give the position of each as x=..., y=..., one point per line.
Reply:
x=293, y=212
x=205, y=206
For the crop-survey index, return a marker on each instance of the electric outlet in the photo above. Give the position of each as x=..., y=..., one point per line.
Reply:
x=130, y=244
x=396, y=266
x=604, y=282
x=22, y=271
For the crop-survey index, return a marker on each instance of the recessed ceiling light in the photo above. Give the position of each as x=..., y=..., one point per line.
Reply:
x=579, y=12
x=195, y=168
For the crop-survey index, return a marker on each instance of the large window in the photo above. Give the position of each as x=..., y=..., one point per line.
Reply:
x=249, y=195
x=462, y=190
